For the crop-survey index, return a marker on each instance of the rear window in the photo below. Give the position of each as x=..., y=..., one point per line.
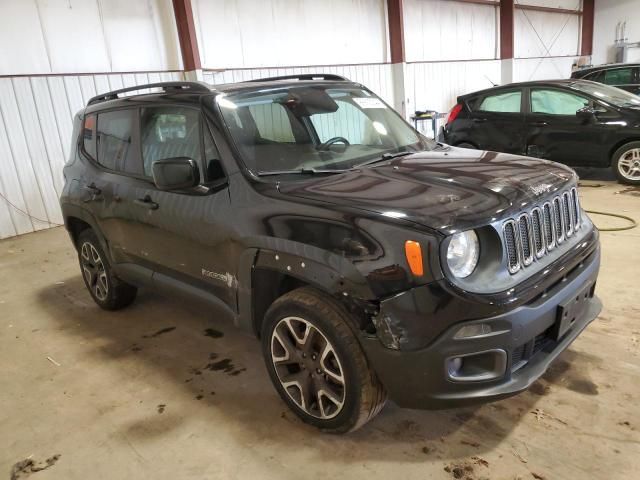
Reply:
x=508, y=102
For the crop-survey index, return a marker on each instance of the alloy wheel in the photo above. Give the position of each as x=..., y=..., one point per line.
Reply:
x=94, y=271
x=629, y=164
x=308, y=367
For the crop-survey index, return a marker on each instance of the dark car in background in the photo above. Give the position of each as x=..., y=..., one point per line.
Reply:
x=369, y=260
x=575, y=122
x=620, y=75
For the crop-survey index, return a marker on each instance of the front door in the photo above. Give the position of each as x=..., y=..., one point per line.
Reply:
x=555, y=131
x=185, y=236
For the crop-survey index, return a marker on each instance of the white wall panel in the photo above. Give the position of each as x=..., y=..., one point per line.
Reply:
x=69, y=36
x=540, y=34
x=443, y=30
x=36, y=115
x=527, y=69
x=375, y=77
x=608, y=14
x=278, y=33
x=436, y=85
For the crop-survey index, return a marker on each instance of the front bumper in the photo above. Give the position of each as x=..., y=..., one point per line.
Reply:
x=421, y=378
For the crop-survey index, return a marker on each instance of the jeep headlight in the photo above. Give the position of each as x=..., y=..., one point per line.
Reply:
x=463, y=253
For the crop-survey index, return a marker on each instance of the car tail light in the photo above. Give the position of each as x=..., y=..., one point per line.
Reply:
x=413, y=253
x=453, y=113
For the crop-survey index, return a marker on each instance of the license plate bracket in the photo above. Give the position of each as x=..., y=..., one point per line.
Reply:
x=569, y=311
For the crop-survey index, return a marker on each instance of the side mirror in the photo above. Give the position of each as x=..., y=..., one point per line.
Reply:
x=586, y=114
x=175, y=173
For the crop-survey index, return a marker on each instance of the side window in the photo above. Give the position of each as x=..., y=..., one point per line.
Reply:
x=272, y=122
x=212, y=163
x=556, y=102
x=169, y=132
x=618, y=76
x=508, y=102
x=596, y=77
x=116, y=145
x=89, y=135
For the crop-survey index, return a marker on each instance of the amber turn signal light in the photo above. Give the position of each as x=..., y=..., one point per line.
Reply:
x=413, y=251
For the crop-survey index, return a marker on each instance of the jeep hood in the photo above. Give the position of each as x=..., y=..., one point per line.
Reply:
x=445, y=190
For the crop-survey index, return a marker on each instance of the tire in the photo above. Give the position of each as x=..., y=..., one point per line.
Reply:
x=329, y=359
x=626, y=163
x=467, y=145
x=107, y=290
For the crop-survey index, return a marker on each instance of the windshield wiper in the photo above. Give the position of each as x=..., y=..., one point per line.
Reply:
x=298, y=171
x=383, y=158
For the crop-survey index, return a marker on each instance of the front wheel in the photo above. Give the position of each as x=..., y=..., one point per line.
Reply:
x=626, y=163
x=316, y=363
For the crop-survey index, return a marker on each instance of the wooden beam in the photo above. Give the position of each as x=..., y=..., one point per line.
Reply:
x=538, y=8
x=492, y=3
x=396, y=30
x=187, y=35
x=587, y=27
x=506, y=28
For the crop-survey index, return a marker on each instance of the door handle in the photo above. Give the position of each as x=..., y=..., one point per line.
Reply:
x=479, y=120
x=541, y=123
x=146, y=202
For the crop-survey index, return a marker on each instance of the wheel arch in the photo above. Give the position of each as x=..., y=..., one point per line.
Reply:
x=266, y=274
x=76, y=220
x=617, y=146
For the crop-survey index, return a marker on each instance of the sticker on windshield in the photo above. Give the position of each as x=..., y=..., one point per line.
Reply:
x=367, y=102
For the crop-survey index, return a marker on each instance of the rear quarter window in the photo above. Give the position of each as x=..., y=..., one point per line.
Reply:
x=507, y=102
x=89, y=135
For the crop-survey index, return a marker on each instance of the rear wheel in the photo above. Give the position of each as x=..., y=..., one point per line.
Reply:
x=316, y=363
x=107, y=290
x=626, y=163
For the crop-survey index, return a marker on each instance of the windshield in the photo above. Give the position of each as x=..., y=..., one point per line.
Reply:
x=315, y=128
x=613, y=95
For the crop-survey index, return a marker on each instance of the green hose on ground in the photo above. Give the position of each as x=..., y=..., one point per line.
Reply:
x=634, y=224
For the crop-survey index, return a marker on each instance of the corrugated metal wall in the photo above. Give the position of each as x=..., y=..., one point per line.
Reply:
x=36, y=115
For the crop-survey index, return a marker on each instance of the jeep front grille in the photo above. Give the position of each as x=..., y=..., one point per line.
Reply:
x=537, y=232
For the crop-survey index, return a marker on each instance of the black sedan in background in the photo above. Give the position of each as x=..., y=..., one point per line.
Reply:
x=575, y=122
x=622, y=75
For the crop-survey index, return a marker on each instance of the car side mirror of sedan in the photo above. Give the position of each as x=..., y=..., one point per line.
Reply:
x=586, y=114
x=176, y=173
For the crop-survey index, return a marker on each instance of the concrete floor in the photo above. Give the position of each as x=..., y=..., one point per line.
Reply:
x=129, y=395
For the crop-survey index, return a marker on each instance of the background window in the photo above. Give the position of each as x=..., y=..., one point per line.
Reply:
x=116, y=147
x=272, y=122
x=556, y=102
x=169, y=132
x=348, y=122
x=89, y=135
x=505, y=103
x=618, y=76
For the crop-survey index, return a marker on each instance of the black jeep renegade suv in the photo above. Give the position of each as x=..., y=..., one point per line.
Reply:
x=370, y=261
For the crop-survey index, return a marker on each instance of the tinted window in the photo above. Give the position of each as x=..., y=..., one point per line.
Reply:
x=89, y=135
x=213, y=165
x=618, y=76
x=169, y=132
x=556, y=102
x=116, y=148
x=596, y=77
x=505, y=102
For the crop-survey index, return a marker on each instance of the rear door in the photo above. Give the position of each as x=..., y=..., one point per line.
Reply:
x=497, y=122
x=555, y=131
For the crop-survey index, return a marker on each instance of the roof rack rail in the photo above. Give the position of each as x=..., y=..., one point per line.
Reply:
x=304, y=76
x=190, y=87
